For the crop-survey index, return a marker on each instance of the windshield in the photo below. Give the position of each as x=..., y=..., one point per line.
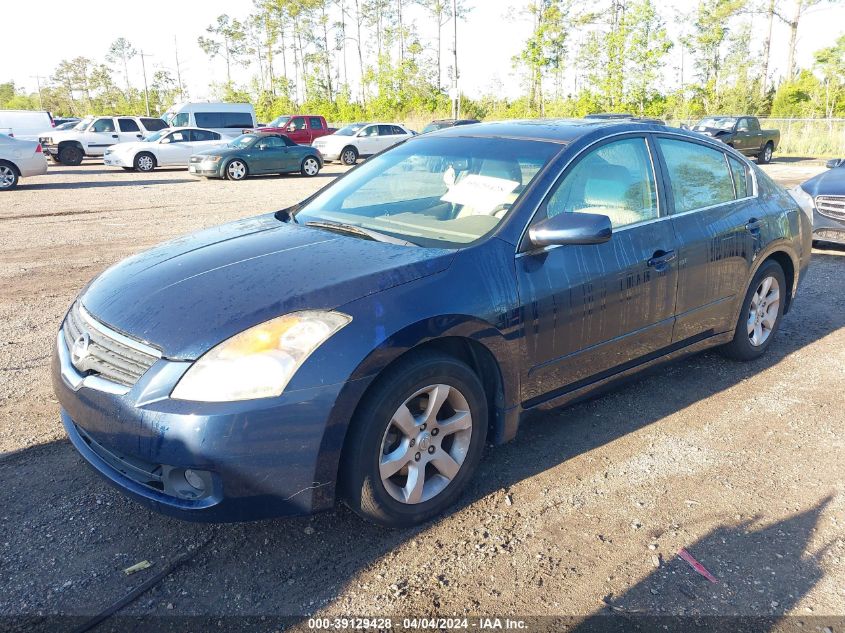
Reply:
x=152, y=138
x=716, y=122
x=244, y=140
x=434, y=126
x=168, y=116
x=280, y=121
x=350, y=130
x=442, y=192
x=84, y=123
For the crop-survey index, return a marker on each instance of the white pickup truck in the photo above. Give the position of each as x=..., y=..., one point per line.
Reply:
x=92, y=135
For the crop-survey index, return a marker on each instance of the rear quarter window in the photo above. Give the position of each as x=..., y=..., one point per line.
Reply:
x=741, y=177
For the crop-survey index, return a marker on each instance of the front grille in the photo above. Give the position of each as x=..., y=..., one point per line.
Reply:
x=831, y=206
x=97, y=350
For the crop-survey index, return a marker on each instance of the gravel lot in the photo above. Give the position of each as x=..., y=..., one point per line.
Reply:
x=584, y=513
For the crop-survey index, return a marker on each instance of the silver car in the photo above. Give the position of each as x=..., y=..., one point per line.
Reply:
x=19, y=158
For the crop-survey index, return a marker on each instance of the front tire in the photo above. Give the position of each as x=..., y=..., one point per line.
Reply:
x=144, y=162
x=760, y=316
x=236, y=170
x=70, y=155
x=415, y=441
x=8, y=177
x=310, y=166
x=765, y=156
x=349, y=156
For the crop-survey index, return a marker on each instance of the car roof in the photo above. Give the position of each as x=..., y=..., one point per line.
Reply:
x=554, y=130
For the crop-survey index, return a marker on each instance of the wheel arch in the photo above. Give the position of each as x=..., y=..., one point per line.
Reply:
x=789, y=265
x=4, y=161
x=148, y=153
x=71, y=142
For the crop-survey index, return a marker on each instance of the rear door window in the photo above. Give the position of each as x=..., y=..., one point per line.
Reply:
x=204, y=135
x=385, y=130
x=315, y=122
x=128, y=125
x=700, y=176
x=154, y=125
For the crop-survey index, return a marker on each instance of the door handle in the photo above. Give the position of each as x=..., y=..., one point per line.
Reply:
x=114, y=136
x=660, y=259
x=753, y=225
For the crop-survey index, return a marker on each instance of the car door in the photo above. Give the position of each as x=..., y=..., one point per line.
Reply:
x=128, y=130
x=100, y=135
x=712, y=206
x=297, y=131
x=175, y=148
x=316, y=127
x=367, y=140
x=589, y=310
x=268, y=155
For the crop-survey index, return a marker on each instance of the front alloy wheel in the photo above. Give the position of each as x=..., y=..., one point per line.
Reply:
x=349, y=156
x=425, y=444
x=414, y=441
x=236, y=170
x=144, y=162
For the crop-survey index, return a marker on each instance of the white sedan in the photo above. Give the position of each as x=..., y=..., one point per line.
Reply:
x=360, y=139
x=170, y=147
x=19, y=158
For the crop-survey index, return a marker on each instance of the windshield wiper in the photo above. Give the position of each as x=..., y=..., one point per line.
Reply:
x=351, y=229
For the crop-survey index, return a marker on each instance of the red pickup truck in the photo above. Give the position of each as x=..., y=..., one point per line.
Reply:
x=302, y=129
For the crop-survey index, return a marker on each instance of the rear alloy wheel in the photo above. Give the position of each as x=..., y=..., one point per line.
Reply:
x=310, y=166
x=70, y=155
x=415, y=441
x=145, y=162
x=349, y=156
x=8, y=177
x=760, y=315
x=766, y=155
x=236, y=170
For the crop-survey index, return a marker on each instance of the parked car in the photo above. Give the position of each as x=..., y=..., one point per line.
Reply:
x=825, y=195
x=256, y=153
x=743, y=133
x=439, y=124
x=92, y=135
x=359, y=140
x=228, y=119
x=170, y=147
x=19, y=158
x=24, y=124
x=300, y=128
x=366, y=343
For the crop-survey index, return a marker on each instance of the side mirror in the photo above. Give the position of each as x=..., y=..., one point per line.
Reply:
x=571, y=228
x=834, y=162
x=165, y=140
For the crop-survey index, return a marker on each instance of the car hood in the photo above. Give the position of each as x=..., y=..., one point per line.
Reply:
x=220, y=150
x=131, y=146
x=193, y=292
x=828, y=183
x=711, y=131
x=61, y=135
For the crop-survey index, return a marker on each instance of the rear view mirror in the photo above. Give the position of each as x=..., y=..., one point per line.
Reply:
x=834, y=162
x=571, y=228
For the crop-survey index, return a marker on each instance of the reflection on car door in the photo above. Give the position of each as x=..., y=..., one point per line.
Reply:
x=268, y=155
x=177, y=151
x=588, y=310
x=368, y=140
x=718, y=225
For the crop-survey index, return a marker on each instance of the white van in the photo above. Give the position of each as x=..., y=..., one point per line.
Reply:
x=228, y=119
x=26, y=125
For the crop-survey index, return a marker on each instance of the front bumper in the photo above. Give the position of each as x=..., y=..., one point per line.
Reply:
x=326, y=155
x=50, y=149
x=826, y=229
x=116, y=160
x=262, y=458
x=209, y=169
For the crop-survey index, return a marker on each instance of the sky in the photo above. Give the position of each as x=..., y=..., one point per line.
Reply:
x=488, y=38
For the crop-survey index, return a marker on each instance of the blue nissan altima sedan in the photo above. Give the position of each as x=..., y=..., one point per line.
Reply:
x=366, y=343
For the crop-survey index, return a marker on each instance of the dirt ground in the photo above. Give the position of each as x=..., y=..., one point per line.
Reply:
x=582, y=515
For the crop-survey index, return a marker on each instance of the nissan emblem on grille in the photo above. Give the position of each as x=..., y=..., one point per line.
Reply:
x=79, y=350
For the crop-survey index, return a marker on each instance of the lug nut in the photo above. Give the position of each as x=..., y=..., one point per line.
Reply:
x=422, y=428
x=435, y=431
x=413, y=441
x=417, y=457
x=430, y=449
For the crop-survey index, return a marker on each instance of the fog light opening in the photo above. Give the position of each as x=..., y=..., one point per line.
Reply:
x=194, y=480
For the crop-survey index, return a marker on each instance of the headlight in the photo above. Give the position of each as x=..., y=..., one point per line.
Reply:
x=804, y=200
x=211, y=159
x=258, y=362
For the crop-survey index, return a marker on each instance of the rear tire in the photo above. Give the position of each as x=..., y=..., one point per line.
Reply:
x=310, y=167
x=760, y=316
x=71, y=155
x=8, y=176
x=349, y=156
x=144, y=162
x=441, y=404
x=765, y=156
